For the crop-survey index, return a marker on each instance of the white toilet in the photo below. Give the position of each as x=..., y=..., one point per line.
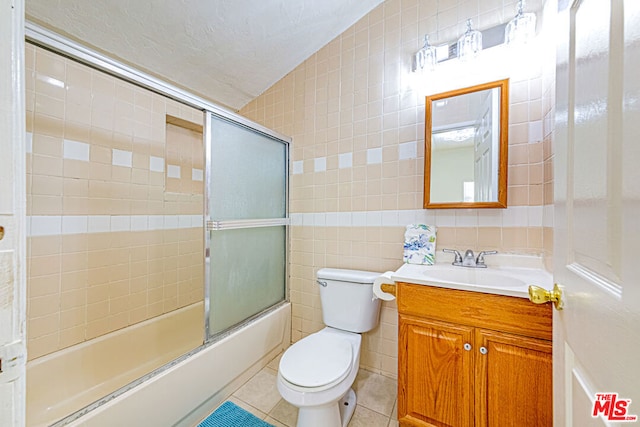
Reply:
x=317, y=372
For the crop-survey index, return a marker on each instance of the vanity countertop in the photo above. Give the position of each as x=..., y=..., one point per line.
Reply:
x=510, y=281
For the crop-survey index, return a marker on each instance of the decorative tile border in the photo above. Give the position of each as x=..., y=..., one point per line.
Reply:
x=517, y=216
x=39, y=225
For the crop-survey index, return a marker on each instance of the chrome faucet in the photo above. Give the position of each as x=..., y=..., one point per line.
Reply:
x=469, y=260
x=458, y=258
x=480, y=260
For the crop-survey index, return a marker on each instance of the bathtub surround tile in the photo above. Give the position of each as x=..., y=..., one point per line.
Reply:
x=121, y=223
x=46, y=225
x=173, y=171
x=74, y=224
x=184, y=221
x=171, y=222
x=76, y=150
x=139, y=223
x=96, y=193
x=197, y=174
x=99, y=223
x=78, y=224
x=29, y=143
x=156, y=164
x=121, y=158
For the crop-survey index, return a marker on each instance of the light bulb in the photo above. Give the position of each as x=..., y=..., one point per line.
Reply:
x=426, y=57
x=521, y=28
x=470, y=44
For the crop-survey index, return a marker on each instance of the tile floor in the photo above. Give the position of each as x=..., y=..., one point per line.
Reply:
x=376, y=407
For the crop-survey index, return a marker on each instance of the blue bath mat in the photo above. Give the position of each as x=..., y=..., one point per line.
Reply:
x=231, y=415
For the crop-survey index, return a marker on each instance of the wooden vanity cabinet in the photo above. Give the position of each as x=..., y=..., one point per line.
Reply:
x=445, y=376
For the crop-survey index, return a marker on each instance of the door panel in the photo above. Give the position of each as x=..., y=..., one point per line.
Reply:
x=513, y=380
x=597, y=335
x=12, y=215
x=246, y=216
x=437, y=371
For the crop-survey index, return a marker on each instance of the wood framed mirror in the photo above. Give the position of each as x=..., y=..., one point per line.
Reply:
x=466, y=147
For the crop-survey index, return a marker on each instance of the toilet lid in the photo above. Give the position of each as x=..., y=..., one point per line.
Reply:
x=316, y=360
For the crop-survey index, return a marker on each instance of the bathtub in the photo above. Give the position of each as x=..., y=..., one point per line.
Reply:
x=179, y=395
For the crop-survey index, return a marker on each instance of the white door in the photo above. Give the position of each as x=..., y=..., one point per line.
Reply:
x=12, y=214
x=487, y=148
x=597, y=213
x=483, y=148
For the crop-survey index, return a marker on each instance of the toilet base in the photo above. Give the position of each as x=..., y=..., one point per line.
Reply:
x=347, y=407
x=336, y=414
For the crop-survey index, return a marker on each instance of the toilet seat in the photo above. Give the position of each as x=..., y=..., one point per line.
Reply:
x=317, y=361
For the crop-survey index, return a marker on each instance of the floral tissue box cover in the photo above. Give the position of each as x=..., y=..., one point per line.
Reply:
x=420, y=244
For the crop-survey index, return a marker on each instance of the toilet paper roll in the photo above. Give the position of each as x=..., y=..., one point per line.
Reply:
x=383, y=279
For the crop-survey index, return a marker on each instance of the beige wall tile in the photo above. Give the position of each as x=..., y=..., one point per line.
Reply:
x=85, y=280
x=43, y=285
x=347, y=98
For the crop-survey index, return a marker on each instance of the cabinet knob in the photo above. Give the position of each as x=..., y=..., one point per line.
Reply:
x=483, y=350
x=467, y=346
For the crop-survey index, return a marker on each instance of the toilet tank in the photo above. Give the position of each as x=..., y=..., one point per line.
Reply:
x=347, y=299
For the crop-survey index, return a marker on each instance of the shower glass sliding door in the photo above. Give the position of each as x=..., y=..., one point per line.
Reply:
x=246, y=216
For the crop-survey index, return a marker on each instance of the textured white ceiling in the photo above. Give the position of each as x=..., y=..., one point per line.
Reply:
x=228, y=51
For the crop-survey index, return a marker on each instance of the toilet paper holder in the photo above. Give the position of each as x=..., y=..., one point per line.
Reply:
x=388, y=288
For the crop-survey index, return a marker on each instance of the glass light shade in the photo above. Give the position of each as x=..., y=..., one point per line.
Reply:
x=426, y=57
x=522, y=28
x=470, y=43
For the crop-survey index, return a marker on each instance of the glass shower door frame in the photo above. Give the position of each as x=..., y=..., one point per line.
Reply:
x=211, y=225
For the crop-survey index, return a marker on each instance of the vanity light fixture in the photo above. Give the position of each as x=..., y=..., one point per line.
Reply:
x=470, y=43
x=521, y=28
x=426, y=57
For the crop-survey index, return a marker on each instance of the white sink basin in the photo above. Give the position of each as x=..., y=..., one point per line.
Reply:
x=501, y=280
x=471, y=276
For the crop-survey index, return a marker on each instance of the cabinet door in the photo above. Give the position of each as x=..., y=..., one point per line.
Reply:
x=513, y=380
x=436, y=374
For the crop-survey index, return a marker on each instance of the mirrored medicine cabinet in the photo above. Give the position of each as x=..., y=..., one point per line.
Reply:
x=466, y=147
